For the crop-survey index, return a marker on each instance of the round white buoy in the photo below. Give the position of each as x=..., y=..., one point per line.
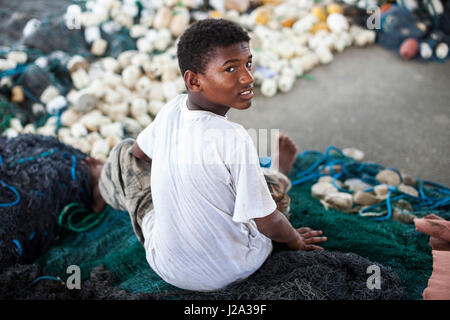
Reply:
x=425, y=51
x=19, y=57
x=162, y=18
x=180, y=21
x=340, y=200
x=337, y=22
x=110, y=129
x=130, y=75
x=56, y=104
x=77, y=130
x=91, y=34
x=354, y=153
x=37, y=108
x=84, y=101
x=138, y=107
x=99, y=47
x=162, y=40
x=285, y=83
x=321, y=189
x=31, y=26
x=269, y=87
x=69, y=117
x=442, y=50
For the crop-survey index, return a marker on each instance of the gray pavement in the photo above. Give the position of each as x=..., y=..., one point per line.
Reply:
x=397, y=112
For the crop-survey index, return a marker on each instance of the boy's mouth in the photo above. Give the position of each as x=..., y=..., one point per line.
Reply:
x=247, y=93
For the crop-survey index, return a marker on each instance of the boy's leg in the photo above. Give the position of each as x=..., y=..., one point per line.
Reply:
x=276, y=176
x=278, y=181
x=124, y=184
x=279, y=185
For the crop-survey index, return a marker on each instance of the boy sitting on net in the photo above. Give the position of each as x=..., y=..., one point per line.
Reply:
x=200, y=203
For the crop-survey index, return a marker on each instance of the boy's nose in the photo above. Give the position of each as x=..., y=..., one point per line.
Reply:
x=246, y=77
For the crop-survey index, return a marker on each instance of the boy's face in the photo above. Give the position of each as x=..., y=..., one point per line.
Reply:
x=227, y=80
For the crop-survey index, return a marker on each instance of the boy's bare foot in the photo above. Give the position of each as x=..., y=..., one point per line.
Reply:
x=285, y=154
x=95, y=168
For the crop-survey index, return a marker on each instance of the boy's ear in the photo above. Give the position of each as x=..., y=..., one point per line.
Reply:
x=192, y=81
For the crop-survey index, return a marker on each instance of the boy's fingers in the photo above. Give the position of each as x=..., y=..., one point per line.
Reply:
x=313, y=247
x=304, y=230
x=315, y=240
x=312, y=233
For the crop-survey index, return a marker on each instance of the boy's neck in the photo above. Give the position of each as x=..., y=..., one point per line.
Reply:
x=198, y=102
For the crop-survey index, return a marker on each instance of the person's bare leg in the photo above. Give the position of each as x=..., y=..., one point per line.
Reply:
x=95, y=168
x=284, y=155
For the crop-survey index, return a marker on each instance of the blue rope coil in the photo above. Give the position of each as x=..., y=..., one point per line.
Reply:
x=19, y=246
x=16, y=193
x=28, y=159
x=72, y=170
x=350, y=168
x=46, y=278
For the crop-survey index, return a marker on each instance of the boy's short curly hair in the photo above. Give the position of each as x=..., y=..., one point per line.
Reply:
x=196, y=45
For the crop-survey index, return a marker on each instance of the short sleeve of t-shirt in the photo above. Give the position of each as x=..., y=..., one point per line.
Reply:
x=146, y=139
x=253, y=198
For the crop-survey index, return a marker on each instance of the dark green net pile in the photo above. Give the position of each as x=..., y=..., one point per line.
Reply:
x=353, y=243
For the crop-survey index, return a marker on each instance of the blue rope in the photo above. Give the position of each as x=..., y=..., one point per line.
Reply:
x=18, y=245
x=46, y=278
x=350, y=168
x=12, y=72
x=31, y=158
x=14, y=190
x=72, y=170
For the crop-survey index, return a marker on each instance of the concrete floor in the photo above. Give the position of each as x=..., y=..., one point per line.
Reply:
x=397, y=112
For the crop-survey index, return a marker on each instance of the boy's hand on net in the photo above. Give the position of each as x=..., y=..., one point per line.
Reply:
x=307, y=240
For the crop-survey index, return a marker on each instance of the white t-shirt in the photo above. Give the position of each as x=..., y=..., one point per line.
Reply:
x=207, y=186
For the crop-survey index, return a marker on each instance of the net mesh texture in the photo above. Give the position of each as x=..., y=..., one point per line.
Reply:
x=353, y=244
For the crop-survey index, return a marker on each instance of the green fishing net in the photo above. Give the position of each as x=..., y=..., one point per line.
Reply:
x=112, y=243
x=6, y=114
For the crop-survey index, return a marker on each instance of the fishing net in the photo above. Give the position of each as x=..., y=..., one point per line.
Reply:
x=39, y=176
x=26, y=282
x=397, y=25
x=300, y=275
x=286, y=275
x=53, y=35
x=110, y=251
x=444, y=20
x=49, y=49
x=423, y=24
x=389, y=242
x=6, y=113
x=354, y=243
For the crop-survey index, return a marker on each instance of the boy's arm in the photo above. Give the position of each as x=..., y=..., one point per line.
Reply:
x=138, y=153
x=277, y=227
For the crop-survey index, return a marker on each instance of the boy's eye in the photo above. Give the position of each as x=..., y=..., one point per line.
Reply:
x=249, y=64
x=229, y=69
